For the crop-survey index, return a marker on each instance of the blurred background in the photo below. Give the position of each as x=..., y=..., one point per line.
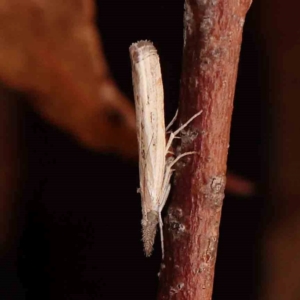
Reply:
x=70, y=214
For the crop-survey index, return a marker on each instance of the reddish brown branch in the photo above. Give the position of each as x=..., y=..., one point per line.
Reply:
x=213, y=34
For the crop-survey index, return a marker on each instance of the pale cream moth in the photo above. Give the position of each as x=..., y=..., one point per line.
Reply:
x=154, y=168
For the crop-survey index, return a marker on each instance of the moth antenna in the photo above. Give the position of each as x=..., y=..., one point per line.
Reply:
x=174, y=134
x=173, y=121
x=188, y=122
x=181, y=156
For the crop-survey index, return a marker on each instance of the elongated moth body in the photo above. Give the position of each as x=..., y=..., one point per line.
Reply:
x=155, y=170
x=149, y=103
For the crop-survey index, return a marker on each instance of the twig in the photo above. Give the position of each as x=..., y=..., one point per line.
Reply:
x=213, y=34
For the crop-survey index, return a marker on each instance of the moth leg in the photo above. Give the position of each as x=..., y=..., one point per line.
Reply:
x=164, y=200
x=173, y=120
x=160, y=222
x=161, y=206
x=167, y=188
x=174, y=134
x=181, y=156
x=170, y=140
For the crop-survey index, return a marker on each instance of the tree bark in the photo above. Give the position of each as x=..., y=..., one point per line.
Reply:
x=212, y=41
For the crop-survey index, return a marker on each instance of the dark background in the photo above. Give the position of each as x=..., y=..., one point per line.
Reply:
x=81, y=231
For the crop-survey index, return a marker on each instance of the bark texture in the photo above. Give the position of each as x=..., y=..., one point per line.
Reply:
x=212, y=41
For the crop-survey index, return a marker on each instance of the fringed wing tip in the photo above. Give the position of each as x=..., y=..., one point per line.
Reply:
x=141, y=49
x=141, y=43
x=148, y=240
x=149, y=232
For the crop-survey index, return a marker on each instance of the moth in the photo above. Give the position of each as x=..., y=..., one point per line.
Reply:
x=155, y=159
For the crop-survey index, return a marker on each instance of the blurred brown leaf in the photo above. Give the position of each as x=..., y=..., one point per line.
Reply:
x=51, y=51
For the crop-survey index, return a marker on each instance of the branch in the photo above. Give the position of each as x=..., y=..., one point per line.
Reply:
x=213, y=34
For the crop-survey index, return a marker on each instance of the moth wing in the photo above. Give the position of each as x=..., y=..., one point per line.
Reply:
x=149, y=102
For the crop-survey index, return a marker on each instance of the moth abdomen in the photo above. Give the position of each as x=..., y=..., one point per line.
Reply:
x=149, y=231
